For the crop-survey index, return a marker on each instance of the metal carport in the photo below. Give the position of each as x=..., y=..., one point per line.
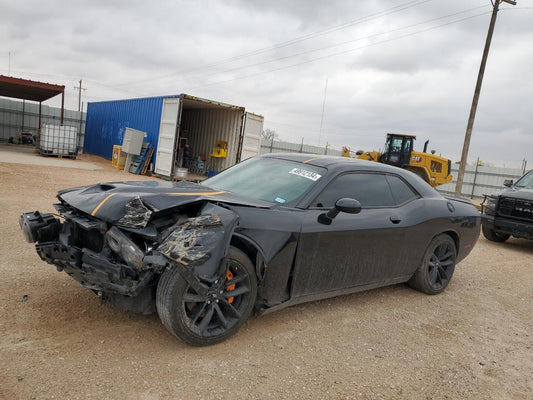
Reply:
x=31, y=90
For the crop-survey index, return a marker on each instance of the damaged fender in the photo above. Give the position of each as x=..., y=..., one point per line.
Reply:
x=199, y=245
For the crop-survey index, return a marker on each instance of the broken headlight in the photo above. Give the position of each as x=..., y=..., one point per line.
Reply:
x=123, y=246
x=37, y=227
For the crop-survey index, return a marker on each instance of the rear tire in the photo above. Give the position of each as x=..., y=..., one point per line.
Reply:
x=494, y=236
x=201, y=320
x=437, y=267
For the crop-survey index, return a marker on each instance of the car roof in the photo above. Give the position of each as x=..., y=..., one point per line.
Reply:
x=337, y=164
x=326, y=161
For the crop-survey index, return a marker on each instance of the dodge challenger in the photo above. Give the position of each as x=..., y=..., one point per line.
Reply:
x=270, y=232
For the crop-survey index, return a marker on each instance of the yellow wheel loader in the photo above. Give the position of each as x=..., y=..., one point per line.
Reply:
x=434, y=169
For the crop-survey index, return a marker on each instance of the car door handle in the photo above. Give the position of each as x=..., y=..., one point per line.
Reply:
x=395, y=219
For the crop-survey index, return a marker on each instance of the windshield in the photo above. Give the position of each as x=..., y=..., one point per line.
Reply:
x=268, y=179
x=393, y=144
x=525, y=181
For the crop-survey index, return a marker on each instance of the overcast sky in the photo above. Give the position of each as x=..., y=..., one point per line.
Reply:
x=390, y=65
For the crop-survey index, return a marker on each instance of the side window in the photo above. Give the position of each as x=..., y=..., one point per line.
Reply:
x=371, y=190
x=407, y=146
x=401, y=192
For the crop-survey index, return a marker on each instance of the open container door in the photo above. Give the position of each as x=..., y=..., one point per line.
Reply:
x=251, y=136
x=205, y=122
x=168, y=132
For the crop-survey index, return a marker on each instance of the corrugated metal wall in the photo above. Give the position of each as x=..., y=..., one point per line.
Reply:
x=107, y=121
x=268, y=146
x=486, y=180
x=17, y=116
x=203, y=127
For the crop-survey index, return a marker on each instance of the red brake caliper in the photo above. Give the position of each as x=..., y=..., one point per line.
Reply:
x=229, y=277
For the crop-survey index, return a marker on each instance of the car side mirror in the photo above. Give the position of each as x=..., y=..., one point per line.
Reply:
x=508, y=182
x=347, y=205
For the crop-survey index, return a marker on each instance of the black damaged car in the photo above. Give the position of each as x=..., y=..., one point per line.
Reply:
x=270, y=232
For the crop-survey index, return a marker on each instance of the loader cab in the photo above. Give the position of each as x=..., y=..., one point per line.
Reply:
x=397, y=150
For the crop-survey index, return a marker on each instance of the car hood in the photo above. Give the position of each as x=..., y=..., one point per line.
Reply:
x=523, y=193
x=115, y=201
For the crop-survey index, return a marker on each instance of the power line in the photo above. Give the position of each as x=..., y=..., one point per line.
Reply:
x=338, y=44
x=138, y=93
x=340, y=53
x=75, y=79
x=367, y=18
x=370, y=17
x=111, y=87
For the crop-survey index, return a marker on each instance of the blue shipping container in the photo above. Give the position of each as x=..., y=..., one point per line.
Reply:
x=107, y=121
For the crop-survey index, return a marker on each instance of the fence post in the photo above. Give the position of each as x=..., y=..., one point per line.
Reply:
x=23, y=111
x=79, y=132
x=271, y=144
x=475, y=178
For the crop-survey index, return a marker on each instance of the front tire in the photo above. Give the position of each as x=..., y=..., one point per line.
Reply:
x=437, y=267
x=202, y=320
x=494, y=236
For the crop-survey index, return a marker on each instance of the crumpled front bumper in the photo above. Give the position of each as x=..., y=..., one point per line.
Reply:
x=97, y=256
x=55, y=244
x=94, y=271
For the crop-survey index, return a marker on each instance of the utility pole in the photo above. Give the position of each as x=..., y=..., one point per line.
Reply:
x=79, y=94
x=473, y=109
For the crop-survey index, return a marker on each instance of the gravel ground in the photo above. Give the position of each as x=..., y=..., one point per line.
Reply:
x=474, y=341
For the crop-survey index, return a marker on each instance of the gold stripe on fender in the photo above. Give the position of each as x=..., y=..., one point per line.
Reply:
x=102, y=203
x=311, y=159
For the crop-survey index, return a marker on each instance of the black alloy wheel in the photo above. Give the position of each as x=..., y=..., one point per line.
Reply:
x=437, y=267
x=211, y=310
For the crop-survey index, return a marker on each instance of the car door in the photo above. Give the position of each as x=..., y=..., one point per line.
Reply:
x=357, y=249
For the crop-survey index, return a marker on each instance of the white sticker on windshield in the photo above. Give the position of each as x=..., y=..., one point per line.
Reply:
x=306, y=174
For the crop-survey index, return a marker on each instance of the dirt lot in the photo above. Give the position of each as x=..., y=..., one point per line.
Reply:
x=474, y=341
